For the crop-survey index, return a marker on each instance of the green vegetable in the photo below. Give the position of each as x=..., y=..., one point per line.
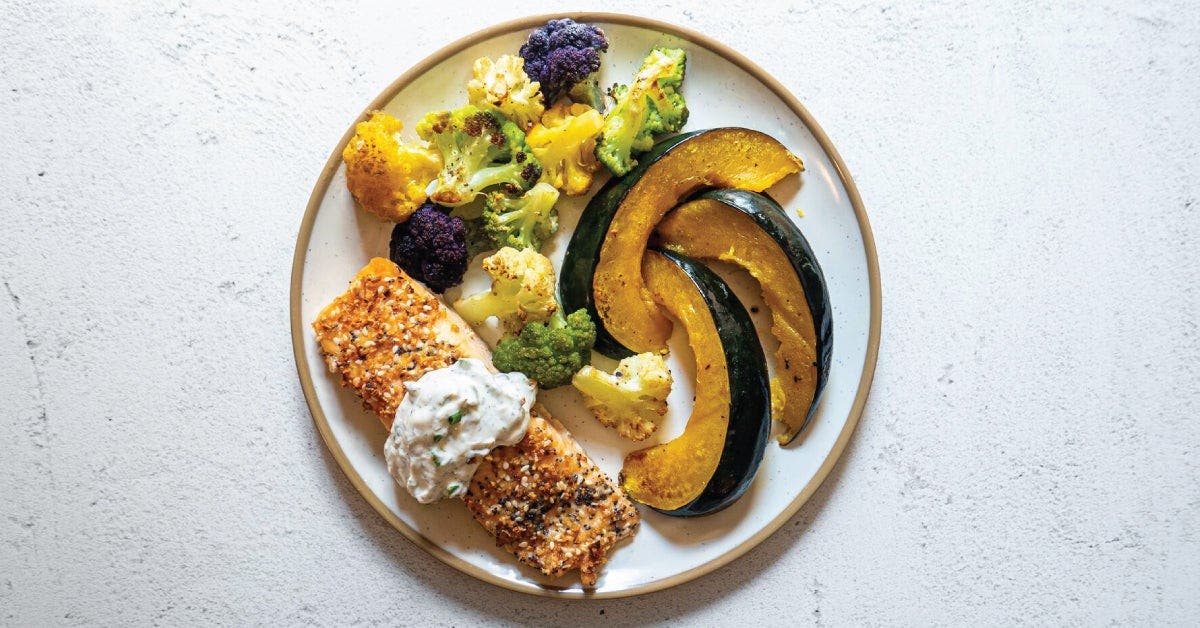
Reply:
x=452, y=490
x=437, y=462
x=633, y=398
x=522, y=290
x=438, y=437
x=455, y=418
x=480, y=149
x=520, y=222
x=549, y=352
x=649, y=106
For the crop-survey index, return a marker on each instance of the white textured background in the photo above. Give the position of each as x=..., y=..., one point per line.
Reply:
x=1029, y=452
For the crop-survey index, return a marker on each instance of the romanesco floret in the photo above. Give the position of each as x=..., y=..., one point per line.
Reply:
x=385, y=174
x=633, y=398
x=564, y=141
x=480, y=149
x=522, y=290
x=503, y=84
x=549, y=352
x=650, y=106
x=523, y=221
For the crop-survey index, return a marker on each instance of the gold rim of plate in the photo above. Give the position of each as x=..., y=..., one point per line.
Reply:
x=299, y=337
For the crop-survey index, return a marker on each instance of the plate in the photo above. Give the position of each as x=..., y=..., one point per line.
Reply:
x=722, y=89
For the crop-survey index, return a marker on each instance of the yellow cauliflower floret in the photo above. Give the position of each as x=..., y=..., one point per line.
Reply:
x=503, y=84
x=565, y=142
x=633, y=398
x=386, y=175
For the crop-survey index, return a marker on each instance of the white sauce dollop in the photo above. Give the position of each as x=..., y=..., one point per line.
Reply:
x=449, y=419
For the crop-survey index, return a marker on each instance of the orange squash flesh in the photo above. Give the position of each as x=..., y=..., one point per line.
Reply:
x=709, y=229
x=691, y=458
x=726, y=157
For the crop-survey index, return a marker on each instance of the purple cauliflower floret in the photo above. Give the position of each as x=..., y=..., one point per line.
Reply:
x=561, y=54
x=431, y=247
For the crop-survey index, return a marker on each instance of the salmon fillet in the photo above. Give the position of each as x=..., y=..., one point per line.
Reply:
x=388, y=329
x=543, y=499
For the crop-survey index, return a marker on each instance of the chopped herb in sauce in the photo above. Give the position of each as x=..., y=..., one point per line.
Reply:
x=452, y=490
x=455, y=418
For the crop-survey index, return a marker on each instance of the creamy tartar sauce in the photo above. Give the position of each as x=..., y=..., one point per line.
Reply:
x=449, y=419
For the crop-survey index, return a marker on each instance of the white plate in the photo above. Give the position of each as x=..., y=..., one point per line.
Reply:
x=722, y=89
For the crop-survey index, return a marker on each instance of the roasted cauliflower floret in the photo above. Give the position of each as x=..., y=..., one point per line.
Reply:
x=633, y=398
x=565, y=142
x=386, y=175
x=503, y=84
x=480, y=149
x=522, y=290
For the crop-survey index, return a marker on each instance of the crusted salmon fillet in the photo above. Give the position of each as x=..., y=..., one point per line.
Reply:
x=388, y=329
x=543, y=499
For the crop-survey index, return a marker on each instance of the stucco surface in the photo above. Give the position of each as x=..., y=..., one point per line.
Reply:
x=1028, y=454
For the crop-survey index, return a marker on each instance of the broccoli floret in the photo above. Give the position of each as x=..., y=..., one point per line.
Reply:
x=431, y=247
x=650, y=106
x=503, y=84
x=564, y=141
x=563, y=53
x=385, y=174
x=633, y=398
x=480, y=149
x=522, y=290
x=549, y=352
x=520, y=222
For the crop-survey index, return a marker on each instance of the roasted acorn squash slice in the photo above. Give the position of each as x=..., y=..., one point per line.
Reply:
x=602, y=267
x=752, y=231
x=712, y=463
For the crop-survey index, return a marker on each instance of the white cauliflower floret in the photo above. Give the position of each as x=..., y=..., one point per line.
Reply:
x=633, y=398
x=522, y=290
x=503, y=84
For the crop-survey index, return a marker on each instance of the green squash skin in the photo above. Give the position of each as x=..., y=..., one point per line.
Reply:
x=750, y=393
x=583, y=251
x=775, y=222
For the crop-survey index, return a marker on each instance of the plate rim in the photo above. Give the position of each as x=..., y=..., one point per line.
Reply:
x=304, y=237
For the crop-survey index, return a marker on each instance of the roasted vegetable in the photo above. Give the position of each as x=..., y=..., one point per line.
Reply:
x=714, y=461
x=522, y=290
x=601, y=270
x=431, y=246
x=563, y=53
x=480, y=149
x=503, y=84
x=522, y=221
x=564, y=141
x=549, y=352
x=633, y=398
x=385, y=174
x=649, y=106
x=754, y=232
